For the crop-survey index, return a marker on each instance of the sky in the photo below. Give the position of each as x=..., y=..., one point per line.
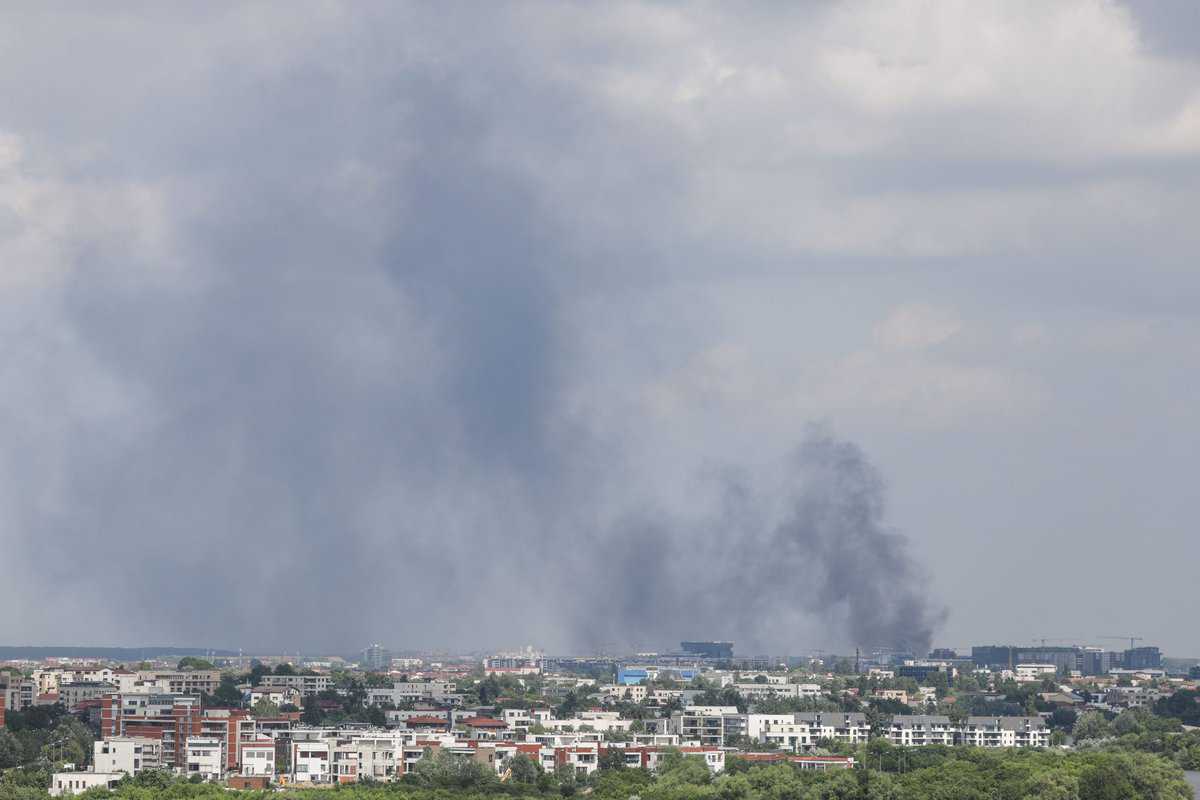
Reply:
x=590, y=326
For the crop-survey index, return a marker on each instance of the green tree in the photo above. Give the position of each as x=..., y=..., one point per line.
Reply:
x=227, y=695
x=1091, y=725
x=10, y=749
x=194, y=662
x=524, y=769
x=257, y=670
x=1106, y=781
x=265, y=708
x=612, y=758
x=312, y=714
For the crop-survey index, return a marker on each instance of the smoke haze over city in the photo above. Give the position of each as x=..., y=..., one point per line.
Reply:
x=485, y=324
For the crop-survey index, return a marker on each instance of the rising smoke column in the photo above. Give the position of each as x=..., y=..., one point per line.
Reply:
x=804, y=562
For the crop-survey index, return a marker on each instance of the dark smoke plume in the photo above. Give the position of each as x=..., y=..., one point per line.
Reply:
x=774, y=561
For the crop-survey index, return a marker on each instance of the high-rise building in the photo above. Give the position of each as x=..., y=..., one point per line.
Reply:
x=993, y=655
x=377, y=658
x=1098, y=661
x=1143, y=658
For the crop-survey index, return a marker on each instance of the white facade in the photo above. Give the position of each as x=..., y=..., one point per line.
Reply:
x=258, y=758
x=204, y=757
x=68, y=783
x=1028, y=673
x=128, y=754
x=440, y=692
x=312, y=762
x=305, y=684
x=920, y=730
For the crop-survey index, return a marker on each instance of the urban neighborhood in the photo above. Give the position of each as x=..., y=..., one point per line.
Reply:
x=523, y=716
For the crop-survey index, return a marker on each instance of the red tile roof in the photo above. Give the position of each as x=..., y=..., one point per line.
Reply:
x=484, y=722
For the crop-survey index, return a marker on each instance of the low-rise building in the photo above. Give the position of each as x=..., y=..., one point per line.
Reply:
x=401, y=692
x=921, y=729
x=305, y=684
x=69, y=783
x=1004, y=732
x=1028, y=673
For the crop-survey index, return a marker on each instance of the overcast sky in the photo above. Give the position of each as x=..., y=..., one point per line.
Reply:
x=483, y=324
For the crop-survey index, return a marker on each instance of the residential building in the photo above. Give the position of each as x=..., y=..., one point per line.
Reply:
x=755, y=691
x=72, y=694
x=312, y=761
x=921, y=729
x=258, y=758
x=205, y=757
x=69, y=783
x=377, y=658
x=16, y=692
x=128, y=754
x=842, y=727
x=279, y=695
x=1029, y=673
x=703, y=724
x=437, y=692
x=524, y=662
x=755, y=723
x=193, y=682
x=305, y=684
x=172, y=719
x=1004, y=732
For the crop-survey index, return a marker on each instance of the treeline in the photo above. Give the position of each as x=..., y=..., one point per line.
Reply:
x=44, y=734
x=914, y=774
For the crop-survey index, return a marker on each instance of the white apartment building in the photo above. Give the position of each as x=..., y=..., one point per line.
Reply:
x=1004, y=732
x=1028, y=673
x=439, y=692
x=526, y=717
x=633, y=693
x=258, y=758
x=919, y=730
x=842, y=727
x=128, y=754
x=204, y=757
x=375, y=756
x=193, y=682
x=305, y=684
x=279, y=695
x=786, y=733
x=312, y=761
x=756, y=723
x=755, y=691
x=702, y=724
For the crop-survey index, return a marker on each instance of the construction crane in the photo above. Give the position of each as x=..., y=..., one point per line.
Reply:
x=1131, y=639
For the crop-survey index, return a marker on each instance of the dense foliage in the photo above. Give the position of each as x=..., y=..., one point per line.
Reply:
x=934, y=773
